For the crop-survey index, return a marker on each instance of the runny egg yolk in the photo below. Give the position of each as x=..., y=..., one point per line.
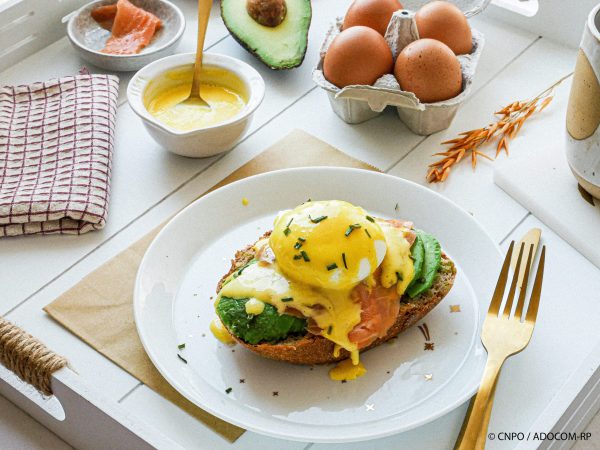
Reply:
x=323, y=250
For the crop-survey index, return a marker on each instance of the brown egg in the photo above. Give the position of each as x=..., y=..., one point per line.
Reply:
x=374, y=14
x=445, y=22
x=358, y=55
x=430, y=70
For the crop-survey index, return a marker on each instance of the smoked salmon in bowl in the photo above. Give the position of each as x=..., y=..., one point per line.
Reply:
x=125, y=35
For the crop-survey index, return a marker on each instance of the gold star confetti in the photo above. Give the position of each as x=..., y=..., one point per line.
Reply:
x=245, y=201
x=429, y=346
x=370, y=407
x=428, y=376
x=454, y=308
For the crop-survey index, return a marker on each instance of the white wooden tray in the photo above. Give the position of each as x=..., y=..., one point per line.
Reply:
x=553, y=385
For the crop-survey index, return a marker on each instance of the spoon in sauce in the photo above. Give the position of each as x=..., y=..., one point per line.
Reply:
x=195, y=97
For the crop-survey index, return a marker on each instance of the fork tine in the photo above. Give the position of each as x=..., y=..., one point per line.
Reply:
x=534, y=301
x=501, y=285
x=521, y=302
x=513, y=284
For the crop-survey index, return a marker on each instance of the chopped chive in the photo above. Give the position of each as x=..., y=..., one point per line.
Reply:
x=301, y=239
x=317, y=219
x=368, y=234
x=305, y=256
x=287, y=299
x=287, y=230
x=399, y=276
x=370, y=219
x=297, y=256
x=181, y=346
x=397, y=207
x=181, y=358
x=228, y=390
x=351, y=228
x=332, y=266
x=344, y=259
x=297, y=245
x=329, y=329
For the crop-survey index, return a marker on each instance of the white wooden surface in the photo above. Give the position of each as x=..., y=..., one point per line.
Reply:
x=149, y=185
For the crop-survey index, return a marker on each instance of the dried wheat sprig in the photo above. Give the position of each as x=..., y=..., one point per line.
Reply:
x=510, y=121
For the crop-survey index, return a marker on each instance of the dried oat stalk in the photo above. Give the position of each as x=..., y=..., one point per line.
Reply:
x=510, y=121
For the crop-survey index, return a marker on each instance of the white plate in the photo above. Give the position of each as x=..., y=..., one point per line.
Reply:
x=180, y=270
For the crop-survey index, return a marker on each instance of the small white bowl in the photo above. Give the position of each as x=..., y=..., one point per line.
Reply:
x=88, y=37
x=202, y=142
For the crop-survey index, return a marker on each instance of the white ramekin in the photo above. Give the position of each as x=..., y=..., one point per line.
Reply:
x=207, y=141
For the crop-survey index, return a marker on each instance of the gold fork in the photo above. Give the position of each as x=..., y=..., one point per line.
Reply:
x=503, y=335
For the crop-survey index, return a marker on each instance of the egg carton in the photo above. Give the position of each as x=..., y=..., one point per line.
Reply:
x=359, y=103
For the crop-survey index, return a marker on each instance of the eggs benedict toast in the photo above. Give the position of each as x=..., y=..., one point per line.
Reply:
x=328, y=282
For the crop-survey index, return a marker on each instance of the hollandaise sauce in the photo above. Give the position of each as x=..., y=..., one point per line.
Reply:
x=220, y=332
x=397, y=267
x=346, y=370
x=165, y=97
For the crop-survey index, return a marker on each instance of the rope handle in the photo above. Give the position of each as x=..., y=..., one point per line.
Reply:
x=27, y=357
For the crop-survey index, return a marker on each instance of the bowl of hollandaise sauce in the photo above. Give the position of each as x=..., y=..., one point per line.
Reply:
x=232, y=88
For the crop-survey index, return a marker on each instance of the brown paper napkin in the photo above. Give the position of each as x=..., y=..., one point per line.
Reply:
x=105, y=295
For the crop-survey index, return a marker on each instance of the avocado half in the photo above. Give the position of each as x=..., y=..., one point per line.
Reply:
x=279, y=47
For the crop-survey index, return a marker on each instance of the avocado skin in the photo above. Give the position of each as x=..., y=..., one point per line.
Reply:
x=248, y=47
x=268, y=326
x=431, y=265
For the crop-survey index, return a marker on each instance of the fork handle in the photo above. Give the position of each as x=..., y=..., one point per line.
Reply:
x=481, y=441
x=477, y=416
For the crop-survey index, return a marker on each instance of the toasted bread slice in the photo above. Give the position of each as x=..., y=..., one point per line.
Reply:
x=312, y=349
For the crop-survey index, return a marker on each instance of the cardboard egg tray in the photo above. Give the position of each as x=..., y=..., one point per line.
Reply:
x=358, y=103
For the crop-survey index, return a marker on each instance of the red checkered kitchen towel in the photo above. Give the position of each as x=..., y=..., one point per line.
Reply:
x=56, y=144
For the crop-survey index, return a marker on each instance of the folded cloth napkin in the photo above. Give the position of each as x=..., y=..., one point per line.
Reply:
x=56, y=144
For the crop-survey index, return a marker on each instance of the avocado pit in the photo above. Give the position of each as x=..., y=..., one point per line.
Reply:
x=269, y=13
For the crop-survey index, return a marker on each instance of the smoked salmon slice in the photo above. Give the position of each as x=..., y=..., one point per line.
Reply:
x=105, y=15
x=379, y=310
x=133, y=28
